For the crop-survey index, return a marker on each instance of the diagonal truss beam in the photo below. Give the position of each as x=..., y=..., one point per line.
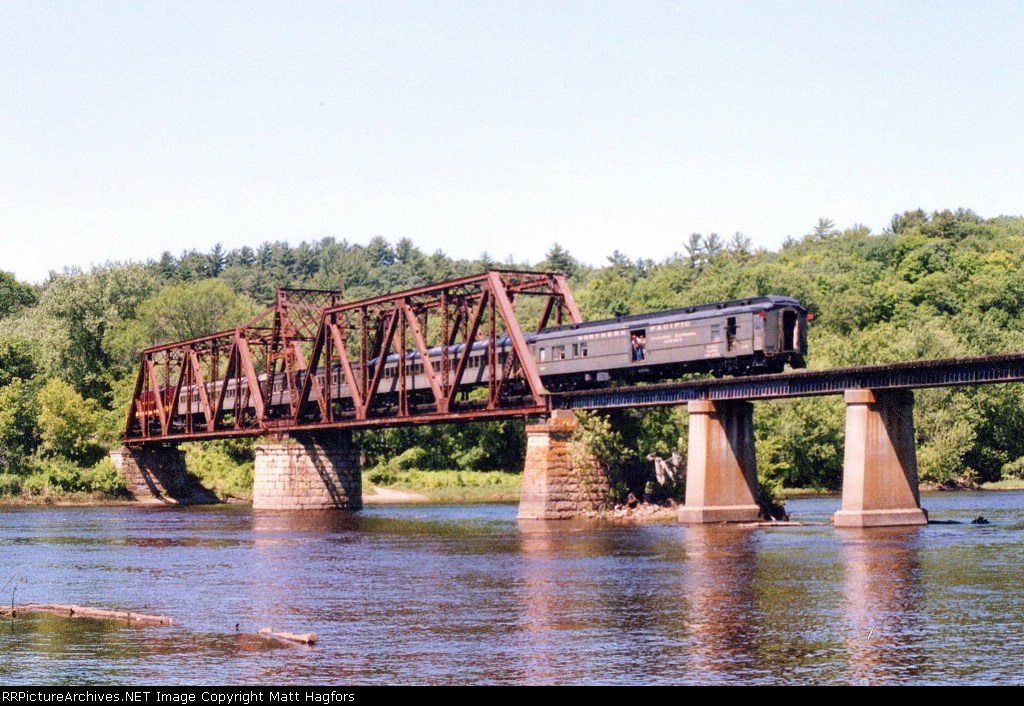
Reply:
x=453, y=350
x=522, y=351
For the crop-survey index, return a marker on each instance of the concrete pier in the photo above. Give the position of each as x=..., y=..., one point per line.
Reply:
x=880, y=484
x=313, y=473
x=555, y=485
x=721, y=470
x=158, y=474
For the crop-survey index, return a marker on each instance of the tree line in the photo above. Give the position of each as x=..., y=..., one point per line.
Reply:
x=931, y=285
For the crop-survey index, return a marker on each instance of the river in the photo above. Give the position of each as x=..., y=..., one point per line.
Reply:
x=467, y=595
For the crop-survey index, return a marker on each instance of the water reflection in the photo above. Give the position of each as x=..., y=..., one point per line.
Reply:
x=543, y=616
x=882, y=603
x=272, y=526
x=718, y=586
x=616, y=585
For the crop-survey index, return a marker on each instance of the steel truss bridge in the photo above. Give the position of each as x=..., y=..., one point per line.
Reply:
x=229, y=381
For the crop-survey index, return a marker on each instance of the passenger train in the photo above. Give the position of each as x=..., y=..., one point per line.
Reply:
x=741, y=337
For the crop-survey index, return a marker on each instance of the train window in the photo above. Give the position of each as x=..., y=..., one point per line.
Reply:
x=638, y=345
x=575, y=350
x=557, y=352
x=583, y=350
x=730, y=333
x=716, y=333
x=543, y=354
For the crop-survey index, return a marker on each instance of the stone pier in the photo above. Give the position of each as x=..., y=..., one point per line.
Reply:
x=313, y=473
x=880, y=461
x=555, y=485
x=721, y=470
x=158, y=474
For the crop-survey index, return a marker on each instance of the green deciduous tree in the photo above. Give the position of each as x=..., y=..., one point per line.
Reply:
x=68, y=423
x=17, y=425
x=13, y=295
x=76, y=313
x=183, y=311
x=15, y=359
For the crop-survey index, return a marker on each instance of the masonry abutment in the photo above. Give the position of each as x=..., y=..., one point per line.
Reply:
x=159, y=474
x=880, y=482
x=556, y=485
x=721, y=466
x=312, y=473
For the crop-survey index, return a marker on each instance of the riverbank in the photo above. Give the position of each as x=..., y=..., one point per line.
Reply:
x=443, y=487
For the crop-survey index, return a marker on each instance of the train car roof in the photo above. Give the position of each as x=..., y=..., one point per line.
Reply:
x=689, y=312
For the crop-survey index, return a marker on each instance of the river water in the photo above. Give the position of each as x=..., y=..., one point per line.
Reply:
x=468, y=595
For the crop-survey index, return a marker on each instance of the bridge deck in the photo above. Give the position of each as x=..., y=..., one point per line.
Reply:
x=804, y=383
x=948, y=372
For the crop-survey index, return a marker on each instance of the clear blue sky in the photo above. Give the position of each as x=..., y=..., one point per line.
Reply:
x=131, y=128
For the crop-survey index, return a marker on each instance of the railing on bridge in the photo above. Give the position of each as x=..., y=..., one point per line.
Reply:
x=394, y=359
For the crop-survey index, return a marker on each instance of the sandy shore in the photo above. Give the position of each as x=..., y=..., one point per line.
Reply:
x=379, y=496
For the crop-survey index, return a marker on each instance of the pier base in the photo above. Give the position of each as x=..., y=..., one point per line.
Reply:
x=556, y=486
x=158, y=474
x=721, y=466
x=308, y=474
x=880, y=485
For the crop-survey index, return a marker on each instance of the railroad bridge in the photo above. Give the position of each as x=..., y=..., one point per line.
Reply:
x=312, y=368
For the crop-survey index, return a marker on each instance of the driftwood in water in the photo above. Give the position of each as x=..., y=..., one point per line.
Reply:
x=308, y=638
x=77, y=611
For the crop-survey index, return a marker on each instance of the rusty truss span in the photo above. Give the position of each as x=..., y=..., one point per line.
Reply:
x=446, y=352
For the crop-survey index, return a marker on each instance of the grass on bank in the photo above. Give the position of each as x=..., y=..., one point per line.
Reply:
x=450, y=486
x=1005, y=484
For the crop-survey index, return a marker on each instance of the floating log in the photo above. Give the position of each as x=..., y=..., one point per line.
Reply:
x=77, y=611
x=308, y=638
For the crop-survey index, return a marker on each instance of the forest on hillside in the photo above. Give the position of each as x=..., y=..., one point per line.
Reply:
x=936, y=285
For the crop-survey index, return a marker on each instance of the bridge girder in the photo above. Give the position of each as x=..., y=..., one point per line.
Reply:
x=280, y=373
